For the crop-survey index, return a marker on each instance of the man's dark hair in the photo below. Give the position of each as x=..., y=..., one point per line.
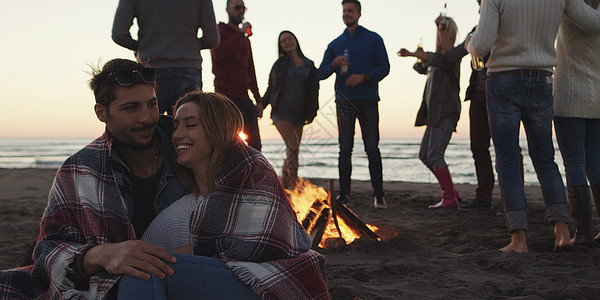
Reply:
x=356, y=2
x=103, y=84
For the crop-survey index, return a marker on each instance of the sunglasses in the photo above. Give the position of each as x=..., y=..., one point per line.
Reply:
x=127, y=77
x=240, y=7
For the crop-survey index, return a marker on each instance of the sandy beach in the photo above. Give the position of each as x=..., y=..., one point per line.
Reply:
x=436, y=253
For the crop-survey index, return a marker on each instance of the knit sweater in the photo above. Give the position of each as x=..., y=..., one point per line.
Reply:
x=168, y=31
x=577, y=80
x=521, y=34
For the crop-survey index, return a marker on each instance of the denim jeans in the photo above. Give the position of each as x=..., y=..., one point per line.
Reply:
x=174, y=83
x=579, y=144
x=479, y=134
x=367, y=113
x=195, y=277
x=434, y=143
x=527, y=98
x=250, y=114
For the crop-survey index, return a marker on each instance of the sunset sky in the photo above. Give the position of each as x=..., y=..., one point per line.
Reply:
x=48, y=45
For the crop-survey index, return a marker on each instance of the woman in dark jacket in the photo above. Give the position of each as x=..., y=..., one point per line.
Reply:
x=440, y=108
x=293, y=93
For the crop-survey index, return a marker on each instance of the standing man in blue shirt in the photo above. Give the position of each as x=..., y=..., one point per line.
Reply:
x=360, y=61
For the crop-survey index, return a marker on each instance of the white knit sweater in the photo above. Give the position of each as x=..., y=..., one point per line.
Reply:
x=520, y=33
x=171, y=227
x=577, y=77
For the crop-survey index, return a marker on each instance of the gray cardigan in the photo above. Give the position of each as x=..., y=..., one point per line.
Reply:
x=168, y=31
x=577, y=79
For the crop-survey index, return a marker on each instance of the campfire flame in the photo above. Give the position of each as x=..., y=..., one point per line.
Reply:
x=304, y=195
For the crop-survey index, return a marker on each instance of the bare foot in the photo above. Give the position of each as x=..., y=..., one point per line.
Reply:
x=517, y=243
x=562, y=240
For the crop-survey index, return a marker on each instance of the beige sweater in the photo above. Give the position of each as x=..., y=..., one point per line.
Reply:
x=577, y=77
x=520, y=33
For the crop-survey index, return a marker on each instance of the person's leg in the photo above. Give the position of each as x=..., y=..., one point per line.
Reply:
x=570, y=134
x=592, y=152
x=194, y=276
x=291, y=136
x=537, y=121
x=592, y=163
x=438, y=142
x=479, y=132
x=174, y=83
x=164, y=90
x=504, y=95
x=250, y=115
x=368, y=117
x=346, y=120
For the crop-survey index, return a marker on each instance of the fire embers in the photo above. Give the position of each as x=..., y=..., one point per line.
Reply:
x=329, y=224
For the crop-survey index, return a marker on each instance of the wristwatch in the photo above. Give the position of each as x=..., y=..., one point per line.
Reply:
x=367, y=77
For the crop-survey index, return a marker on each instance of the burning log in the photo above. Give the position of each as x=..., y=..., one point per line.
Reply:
x=324, y=219
x=316, y=234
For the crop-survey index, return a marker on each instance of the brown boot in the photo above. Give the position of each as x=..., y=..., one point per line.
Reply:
x=581, y=212
x=596, y=194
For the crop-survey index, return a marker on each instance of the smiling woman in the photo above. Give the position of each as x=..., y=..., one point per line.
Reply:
x=236, y=235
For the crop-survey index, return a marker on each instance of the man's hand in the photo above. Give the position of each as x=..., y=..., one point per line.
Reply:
x=404, y=53
x=338, y=62
x=355, y=79
x=245, y=26
x=129, y=258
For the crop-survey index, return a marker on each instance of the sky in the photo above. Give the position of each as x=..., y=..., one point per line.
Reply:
x=48, y=47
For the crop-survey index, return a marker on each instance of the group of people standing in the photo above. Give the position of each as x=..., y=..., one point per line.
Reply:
x=512, y=84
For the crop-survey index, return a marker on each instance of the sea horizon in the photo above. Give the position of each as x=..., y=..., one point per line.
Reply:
x=318, y=157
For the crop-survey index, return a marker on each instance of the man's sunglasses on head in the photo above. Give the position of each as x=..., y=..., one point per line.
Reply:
x=240, y=7
x=127, y=77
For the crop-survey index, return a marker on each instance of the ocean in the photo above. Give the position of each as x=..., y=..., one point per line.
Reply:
x=318, y=158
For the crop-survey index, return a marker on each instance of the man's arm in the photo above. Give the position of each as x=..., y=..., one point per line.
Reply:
x=252, y=84
x=382, y=63
x=121, y=25
x=583, y=15
x=210, y=34
x=326, y=68
x=481, y=41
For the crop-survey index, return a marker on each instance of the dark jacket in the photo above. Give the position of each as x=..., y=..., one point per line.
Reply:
x=277, y=79
x=441, y=90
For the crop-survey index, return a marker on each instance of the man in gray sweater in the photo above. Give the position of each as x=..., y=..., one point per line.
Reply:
x=520, y=35
x=168, y=41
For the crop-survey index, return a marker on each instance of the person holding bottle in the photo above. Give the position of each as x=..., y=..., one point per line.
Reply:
x=233, y=66
x=293, y=93
x=360, y=61
x=440, y=107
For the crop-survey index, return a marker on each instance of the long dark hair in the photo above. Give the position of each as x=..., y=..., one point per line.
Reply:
x=283, y=54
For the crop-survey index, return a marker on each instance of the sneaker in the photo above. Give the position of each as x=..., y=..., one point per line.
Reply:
x=500, y=212
x=475, y=204
x=343, y=199
x=379, y=202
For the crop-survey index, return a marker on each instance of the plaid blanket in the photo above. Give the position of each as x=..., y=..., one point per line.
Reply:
x=249, y=223
x=89, y=203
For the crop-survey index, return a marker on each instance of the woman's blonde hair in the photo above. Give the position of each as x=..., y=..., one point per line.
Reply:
x=452, y=32
x=222, y=122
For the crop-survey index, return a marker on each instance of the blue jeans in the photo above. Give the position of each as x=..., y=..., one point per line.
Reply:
x=434, y=143
x=174, y=83
x=367, y=113
x=195, y=277
x=527, y=98
x=250, y=114
x=579, y=144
